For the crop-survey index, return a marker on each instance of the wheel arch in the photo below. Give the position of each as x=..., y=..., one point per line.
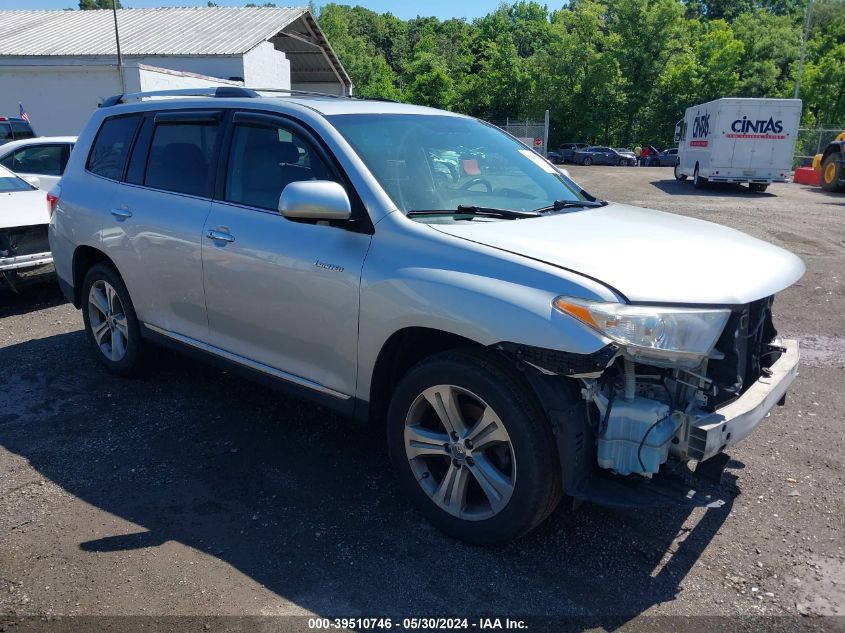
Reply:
x=84, y=258
x=832, y=148
x=403, y=350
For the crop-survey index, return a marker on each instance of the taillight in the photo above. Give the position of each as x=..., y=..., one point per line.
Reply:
x=52, y=201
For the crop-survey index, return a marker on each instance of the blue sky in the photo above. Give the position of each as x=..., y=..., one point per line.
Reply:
x=441, y=8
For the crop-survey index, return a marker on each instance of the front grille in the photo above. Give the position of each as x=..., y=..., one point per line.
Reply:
x=745, y=343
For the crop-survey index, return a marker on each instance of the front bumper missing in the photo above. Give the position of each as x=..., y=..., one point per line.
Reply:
x=732, y=423
x=25, y=261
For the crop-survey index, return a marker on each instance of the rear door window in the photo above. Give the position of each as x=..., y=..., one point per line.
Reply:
x=38, y=159
x=111, y=147
x=182, y=156
x=5, y=132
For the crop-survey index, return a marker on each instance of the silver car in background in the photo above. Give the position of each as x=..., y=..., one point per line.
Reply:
x=517, y=338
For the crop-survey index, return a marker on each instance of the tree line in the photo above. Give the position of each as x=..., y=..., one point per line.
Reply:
x=613, y=72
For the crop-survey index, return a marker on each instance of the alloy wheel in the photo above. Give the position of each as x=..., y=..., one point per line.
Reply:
x=108, y=320
x=460, y=452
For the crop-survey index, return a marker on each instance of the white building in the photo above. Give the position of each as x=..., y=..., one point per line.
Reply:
x=61, y=64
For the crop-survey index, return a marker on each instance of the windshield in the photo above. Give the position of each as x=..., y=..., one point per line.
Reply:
x=433, y=162
x=10, y=182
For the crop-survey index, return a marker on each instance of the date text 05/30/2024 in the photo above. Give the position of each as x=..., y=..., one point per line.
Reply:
x=416, y=624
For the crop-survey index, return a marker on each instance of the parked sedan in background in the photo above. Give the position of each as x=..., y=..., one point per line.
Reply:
x=44, y=157
x=563, y=154
x=24, y=250
x=627, y=153
x=600, y=155
x=666, y=158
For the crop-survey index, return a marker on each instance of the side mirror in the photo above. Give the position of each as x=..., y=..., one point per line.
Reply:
x=35, y=181
x=564, y=171
x=315, y=200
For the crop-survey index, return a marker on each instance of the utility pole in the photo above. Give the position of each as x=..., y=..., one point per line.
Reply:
x=117, y=42
x=546, y=134
x=804, y=38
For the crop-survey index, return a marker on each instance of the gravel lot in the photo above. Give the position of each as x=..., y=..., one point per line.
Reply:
x=194, y=492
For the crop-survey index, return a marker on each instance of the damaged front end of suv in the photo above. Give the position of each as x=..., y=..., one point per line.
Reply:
x=24, y=255
x=673, y=385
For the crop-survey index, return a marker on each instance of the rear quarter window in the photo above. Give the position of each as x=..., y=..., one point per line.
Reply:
x=21, y=129
x=111, y=147
x=5, y=133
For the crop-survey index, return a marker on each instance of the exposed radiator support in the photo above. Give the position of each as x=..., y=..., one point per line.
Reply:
x=630, y=380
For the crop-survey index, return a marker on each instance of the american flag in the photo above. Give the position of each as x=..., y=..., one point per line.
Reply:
x=23, y=113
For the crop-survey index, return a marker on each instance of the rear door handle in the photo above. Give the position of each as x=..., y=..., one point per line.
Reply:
x=121, y=213
x=219, y=236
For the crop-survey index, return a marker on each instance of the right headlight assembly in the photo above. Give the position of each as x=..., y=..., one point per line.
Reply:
x=662, y=335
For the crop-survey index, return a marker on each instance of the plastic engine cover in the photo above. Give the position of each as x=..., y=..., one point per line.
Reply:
x=629, y=422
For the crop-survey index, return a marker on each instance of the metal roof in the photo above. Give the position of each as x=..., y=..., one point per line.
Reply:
x=168, y=31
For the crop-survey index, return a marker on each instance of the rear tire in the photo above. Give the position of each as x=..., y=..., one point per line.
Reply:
x=678, y=174
x=481, y=493
x=588, y=161
x=831, y=176
x=111, y=325
x=699, y=182
x=759, y=187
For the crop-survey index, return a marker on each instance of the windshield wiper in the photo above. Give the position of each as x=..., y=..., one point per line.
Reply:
x=559, y=205
x=473, y=210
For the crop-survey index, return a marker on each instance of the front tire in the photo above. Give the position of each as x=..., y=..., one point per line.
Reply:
x=831, y=176
x=111, y=325
x=472, y=448
x=678, y=174
x=588, y=161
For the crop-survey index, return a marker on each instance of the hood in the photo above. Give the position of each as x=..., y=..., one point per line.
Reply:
x=646, y=255
x=23, y=208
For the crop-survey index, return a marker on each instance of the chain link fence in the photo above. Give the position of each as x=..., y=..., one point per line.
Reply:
x=812, y=141
x=535, y=134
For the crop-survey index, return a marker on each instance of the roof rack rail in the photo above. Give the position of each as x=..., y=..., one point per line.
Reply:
x=225, y=92
x=309, y=93
x=220, y=91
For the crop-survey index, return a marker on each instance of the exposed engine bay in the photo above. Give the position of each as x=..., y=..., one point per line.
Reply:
x=642, y=414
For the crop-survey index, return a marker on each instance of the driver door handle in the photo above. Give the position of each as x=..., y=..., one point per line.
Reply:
x=121, y=213
x=219, y=236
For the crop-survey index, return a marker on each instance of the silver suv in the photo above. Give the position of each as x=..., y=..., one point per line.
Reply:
x=518, y=338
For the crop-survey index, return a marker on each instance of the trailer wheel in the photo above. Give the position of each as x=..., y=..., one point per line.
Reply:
x=832, y=176
x=759, y=187
x=678, y=174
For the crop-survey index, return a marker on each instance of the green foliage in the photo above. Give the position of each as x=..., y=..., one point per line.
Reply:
x=617, y=72
x=88, y=5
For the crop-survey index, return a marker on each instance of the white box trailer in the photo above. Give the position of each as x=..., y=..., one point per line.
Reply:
x=738, y=140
